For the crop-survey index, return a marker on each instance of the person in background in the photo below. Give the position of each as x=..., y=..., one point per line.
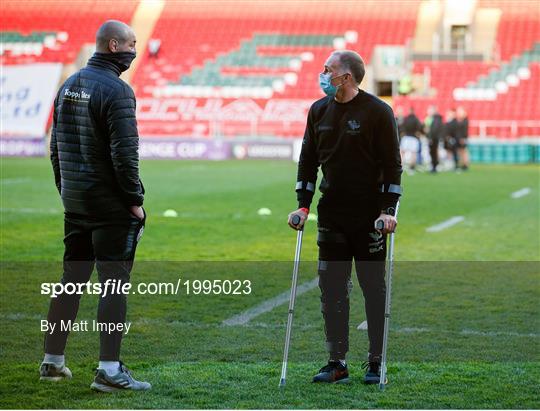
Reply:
x=154, y=45
x=400, y=117
x=450, y=139
x=462, y=134
x=410, y=143
x=405, y=85
x=434, y=129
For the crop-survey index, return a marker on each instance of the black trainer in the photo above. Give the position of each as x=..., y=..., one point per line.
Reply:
x=334, y=373
x=373, y=372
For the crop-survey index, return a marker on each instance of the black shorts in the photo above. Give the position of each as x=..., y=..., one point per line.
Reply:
x=462, y=143
x=450, y=143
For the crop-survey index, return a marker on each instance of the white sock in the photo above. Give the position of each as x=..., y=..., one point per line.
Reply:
x=110, y=367
x=57, y=360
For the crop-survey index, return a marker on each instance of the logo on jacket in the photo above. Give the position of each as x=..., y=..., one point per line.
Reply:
x=78, y=96
x=353, y=125
x=325, y=128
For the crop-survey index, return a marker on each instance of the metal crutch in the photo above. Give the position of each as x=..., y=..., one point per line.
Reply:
x=300, y=233
x=387, y=305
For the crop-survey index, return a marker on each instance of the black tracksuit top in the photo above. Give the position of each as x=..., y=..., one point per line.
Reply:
x=95, y=143
x=356, y=145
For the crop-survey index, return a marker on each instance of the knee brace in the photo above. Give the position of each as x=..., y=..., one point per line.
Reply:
x=336, y=325
x=325, y=235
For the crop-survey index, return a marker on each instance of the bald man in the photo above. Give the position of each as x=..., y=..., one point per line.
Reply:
x=352, y=136
x=95, y=159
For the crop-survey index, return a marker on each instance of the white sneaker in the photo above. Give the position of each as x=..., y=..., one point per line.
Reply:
x=51, y=372
x=121, y=381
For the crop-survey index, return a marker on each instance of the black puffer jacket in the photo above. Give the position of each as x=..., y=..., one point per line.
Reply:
x=95, y=143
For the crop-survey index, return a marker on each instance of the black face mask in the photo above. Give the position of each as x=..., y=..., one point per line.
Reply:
x=121, y=59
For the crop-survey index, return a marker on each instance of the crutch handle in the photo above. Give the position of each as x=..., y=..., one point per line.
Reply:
x=379, y=224
x=295, y=220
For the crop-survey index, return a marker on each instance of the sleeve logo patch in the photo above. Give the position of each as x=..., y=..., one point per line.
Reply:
x=79, y=96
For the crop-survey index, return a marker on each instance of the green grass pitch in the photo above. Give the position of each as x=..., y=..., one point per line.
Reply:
x=465, y=329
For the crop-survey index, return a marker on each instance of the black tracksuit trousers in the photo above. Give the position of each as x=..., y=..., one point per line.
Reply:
x=110, y=246
x=342, y=239
x=434, y=152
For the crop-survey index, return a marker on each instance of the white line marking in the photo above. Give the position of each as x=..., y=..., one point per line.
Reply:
x=497, y=333
x=445, y=224
x=521, y=193
x=362, y=326
x=30, y=210
x=412, y=330
x=468, y=332
x=195, y=324
x=15, y=180
x=20, y=316
x=268, y=305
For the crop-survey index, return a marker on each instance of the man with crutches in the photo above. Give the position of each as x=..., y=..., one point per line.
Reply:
x=352, y=136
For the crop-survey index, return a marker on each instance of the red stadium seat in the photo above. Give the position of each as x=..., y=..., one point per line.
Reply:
x=79, y=20
x=207, y=32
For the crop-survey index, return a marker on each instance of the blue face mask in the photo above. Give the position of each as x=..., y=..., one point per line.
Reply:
x=325, y=82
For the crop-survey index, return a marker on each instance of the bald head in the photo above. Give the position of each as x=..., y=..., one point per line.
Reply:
x=115, y=36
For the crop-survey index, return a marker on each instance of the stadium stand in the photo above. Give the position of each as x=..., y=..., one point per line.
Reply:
x=519, y=27
x=251, y=67
x=507, y=89
x=206, y=38
x=508, y=93
x=55, y=30
x=260, y=53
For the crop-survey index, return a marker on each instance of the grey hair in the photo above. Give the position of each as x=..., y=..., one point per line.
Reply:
x=351, y=61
